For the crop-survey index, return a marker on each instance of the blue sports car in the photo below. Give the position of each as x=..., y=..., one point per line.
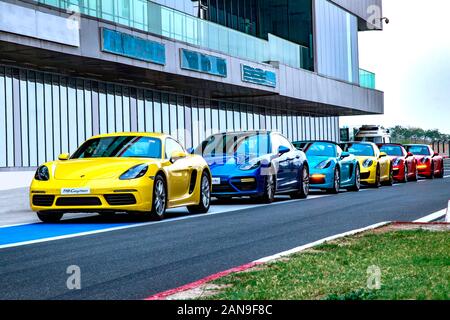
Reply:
x=258, y=164
x=331, y=168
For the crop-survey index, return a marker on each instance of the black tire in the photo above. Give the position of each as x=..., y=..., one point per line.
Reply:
x=406, y=173
x=431, y=176
x=336, y=182
x=159, y=199
x=50, y=217
x=303, y=191
x=416, y=176
x=357, y=185
x=390, y=182
x=269, y=189
x=205, y=196
x=377, y=183
x=441, y=172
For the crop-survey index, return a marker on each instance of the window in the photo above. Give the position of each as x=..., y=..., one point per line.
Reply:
x=171, y=147
x=120, y=146
x=321, y=149
x=278, y=141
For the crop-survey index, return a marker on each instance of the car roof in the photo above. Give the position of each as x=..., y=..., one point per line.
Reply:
x=359, y=142
x=390, y=144
x=128, y=134
x=416, y=144
x=313, y=141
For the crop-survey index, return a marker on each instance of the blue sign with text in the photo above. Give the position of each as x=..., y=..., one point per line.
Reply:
x=196, y=61
x=259, y=76
x=133, y=47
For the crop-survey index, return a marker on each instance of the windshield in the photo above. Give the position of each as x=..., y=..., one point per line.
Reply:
x=395, y=151
x=235, y=144
x=120, y=146
x=321, y=149
x=419, y=150
x=359, y=149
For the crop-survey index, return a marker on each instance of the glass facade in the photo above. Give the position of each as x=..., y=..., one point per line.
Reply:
x=164, y=21
x=336, y=42
x=366, y=79
x=44, y=114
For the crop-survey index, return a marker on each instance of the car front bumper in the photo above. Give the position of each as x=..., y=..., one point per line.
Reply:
x=120, y=196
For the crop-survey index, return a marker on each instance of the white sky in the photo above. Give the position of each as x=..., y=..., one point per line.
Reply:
x=411, y=59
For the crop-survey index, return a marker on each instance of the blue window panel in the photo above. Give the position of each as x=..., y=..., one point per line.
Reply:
x=259, y=76
x=196, y=61
x=133, y=47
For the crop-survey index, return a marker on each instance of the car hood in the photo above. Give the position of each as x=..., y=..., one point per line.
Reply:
x=313, y=161
x=223, y=164
x=99, y=168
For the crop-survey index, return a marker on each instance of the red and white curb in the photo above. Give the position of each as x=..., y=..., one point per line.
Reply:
x=196, y=284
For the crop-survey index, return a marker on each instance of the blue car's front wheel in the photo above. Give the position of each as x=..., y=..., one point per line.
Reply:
x=269, y=189
x=303, y=190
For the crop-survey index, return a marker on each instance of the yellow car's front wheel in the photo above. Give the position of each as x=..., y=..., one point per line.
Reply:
x=159, y=198
x=50, y=217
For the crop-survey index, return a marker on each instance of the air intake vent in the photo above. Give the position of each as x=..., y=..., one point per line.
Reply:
x=43, y=200
x=78, y=201
x=121, y=199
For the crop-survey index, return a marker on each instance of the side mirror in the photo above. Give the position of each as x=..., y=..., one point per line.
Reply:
x=64, y=157
x=345, y=155
x=383, y=154
x=409, y=154
x=282, y=150
x=436, y=154
x=190, y=151
x=177, y=155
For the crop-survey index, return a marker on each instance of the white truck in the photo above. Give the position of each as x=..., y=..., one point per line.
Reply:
x=373, y=133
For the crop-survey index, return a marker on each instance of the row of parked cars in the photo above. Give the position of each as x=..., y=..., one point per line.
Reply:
x=147, y=173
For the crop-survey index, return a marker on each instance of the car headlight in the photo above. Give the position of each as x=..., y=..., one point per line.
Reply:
x=250, y=166
x=324, y=164
x=368, y=163
x=424, y=160
x=42, y=174
x=134, y=172
x=397, y=161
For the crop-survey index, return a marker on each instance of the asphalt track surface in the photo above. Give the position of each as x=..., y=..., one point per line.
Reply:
x=147, y=258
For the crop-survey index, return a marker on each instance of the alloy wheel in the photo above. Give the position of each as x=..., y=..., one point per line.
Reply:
x=160, y=198
x=205, y=192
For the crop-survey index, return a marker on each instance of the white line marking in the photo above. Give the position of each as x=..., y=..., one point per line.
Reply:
x=429, y=218
x=432, y=217
x=446, y=177
x=136, y=225
x=321, y=241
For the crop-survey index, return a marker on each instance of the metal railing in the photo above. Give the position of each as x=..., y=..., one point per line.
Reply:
x=442, y=147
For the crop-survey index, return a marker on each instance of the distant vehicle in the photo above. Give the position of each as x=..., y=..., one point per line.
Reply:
x=404, y=164
x=258, y=164
x=376, y=167
x=429, y=163
x=330, y=168
x=375, y=134
x=142, y=173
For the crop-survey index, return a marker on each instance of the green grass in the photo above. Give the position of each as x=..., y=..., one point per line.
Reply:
x=414, y=265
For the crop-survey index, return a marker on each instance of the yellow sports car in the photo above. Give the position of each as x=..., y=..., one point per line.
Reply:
x=376, y=167
x=141, y=173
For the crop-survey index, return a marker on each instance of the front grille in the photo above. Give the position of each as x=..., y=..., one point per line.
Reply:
x=43, y=200
x=224, y=187
x=120, y=199
x=78, y=201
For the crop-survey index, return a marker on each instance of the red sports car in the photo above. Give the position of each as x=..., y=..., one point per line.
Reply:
x=404, y=164
x=429, y=163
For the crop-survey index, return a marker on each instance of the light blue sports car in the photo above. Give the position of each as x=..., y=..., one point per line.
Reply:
x=330, y=168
